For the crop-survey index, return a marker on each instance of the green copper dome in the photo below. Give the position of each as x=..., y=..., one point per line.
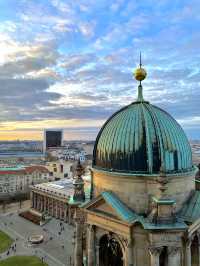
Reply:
x=142, y=138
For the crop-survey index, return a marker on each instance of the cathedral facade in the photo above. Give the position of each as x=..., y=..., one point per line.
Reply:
x=145, y=203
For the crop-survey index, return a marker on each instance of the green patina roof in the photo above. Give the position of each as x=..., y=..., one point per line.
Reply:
x=130, y=216
x=121, y=209
x=163, y=226
x=18, y=167
x=140, y=138
x=164, y=201
x=191, y=209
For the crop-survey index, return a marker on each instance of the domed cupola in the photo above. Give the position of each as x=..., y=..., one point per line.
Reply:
x=142, y=138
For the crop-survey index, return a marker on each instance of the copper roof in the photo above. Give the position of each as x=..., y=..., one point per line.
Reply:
x=142, y=138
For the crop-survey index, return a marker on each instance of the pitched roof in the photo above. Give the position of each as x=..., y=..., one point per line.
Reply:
x=128, y=215
x=24, y=171
x=121, y=209
x=13, y=172
x=39, y=168
x=191, y=209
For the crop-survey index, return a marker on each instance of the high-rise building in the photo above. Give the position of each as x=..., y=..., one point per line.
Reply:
x=53, y=138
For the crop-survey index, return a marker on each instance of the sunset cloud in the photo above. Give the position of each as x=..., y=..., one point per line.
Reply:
x=69, y=64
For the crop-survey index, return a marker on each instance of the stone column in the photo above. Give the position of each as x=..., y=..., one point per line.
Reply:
x=69, y=215
x=91, y=246
x=174, y=256
x=45, y=203
x=52, y=207
x=47, y=199
x=56, y=203
x=188, y=254
x=130, y=252
x=65, y=212
x=37, y=201
x=31, y=198
x=41, y=205
x=78, y=260
x=97, y=255
x=62, y=211
x=155, y=255
x=198, y=235
x=49, y=204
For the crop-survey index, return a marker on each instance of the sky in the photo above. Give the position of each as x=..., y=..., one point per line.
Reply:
x=69, y=64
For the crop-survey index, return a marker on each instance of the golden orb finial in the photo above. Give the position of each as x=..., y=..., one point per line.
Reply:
x=140, y=73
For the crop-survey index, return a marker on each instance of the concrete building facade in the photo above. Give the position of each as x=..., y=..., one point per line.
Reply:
x=16, y=180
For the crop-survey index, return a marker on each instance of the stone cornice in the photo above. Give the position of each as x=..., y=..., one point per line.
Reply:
x=140, y=175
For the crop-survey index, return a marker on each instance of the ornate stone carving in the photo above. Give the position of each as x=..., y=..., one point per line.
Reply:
x=79, y=216
x=189, y=240
x=79, y=193
x=172, y=251
x=165, y=239
x=155, y=251
x=90, y=228
x=198, y=235
x=162, y=181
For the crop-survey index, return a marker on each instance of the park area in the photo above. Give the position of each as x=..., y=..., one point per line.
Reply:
x=22, y=261
x=5, y=242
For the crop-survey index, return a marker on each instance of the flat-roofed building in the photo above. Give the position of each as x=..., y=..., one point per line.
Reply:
x=16, y=180
x=56, y=198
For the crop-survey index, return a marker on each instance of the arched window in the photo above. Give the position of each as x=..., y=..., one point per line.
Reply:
x=110, y=252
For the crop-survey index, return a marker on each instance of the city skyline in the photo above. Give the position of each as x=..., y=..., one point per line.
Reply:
x=69, y=65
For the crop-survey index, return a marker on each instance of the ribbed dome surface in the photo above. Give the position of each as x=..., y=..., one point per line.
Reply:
x=140, y=138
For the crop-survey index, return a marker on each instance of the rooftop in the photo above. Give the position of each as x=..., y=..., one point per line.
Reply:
x=62, y=188
x=191, y=209
x=20, y=169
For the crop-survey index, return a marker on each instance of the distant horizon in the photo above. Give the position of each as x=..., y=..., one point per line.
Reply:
x=92, y=138
x=82, y=133
x=69, y=64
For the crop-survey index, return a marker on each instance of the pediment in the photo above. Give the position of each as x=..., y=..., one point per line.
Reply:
x=105, y=209
x=109, y=205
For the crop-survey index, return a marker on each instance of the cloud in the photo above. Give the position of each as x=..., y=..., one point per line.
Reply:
x=76, y=61
x=65, y=60
x=87, y=28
